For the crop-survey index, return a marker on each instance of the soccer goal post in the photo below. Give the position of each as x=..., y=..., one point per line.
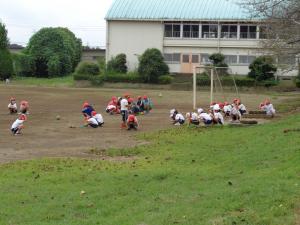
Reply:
x=213, y=72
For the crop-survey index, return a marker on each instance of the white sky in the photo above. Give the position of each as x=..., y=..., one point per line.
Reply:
x=85, y=18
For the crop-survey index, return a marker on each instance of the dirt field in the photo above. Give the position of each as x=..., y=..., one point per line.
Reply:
x=44, y=136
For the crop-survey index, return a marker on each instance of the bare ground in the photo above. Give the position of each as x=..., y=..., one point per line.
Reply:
x=44, y=136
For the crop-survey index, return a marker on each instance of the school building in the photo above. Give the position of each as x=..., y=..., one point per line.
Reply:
x=186, y=32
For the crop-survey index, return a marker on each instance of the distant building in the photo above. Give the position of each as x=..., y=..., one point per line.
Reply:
x=92, y=54
x=15, y=48
x=185, y=31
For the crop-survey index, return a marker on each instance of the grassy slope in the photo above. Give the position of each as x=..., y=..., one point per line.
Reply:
x=190, y=176
x=52, y=82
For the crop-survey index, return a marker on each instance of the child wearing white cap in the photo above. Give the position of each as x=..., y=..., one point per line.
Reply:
x=192, y=118
x=217, y=115
x=204, y=117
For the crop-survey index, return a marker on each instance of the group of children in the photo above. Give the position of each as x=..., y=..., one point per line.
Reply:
x=18, y=124
x=129, y=108
x=217, y=112
x=142, y=105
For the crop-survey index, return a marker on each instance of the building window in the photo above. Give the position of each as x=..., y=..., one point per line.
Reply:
x=185, y=58
x=231, y=59
x=195, y=59
x=173, y=58
x=229, y=31
x=172, y=30
x=246, y=59
x=205, y=59
x=191, y=31
x=263, y=32
x=248, y=32
x=209, y=31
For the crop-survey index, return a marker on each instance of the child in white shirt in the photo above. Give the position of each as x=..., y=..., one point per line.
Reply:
x=17, y=126
x=179, y=119
x=269, y=108
x=12, y=106
x=204, y=117
x=192, y=118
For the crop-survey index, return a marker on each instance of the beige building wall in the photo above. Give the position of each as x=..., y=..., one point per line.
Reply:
x=133, y=38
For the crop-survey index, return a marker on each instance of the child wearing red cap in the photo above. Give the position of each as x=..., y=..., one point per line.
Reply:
x=98, y=117
x=12, y=106
x=148, y=105
x=124, y=110
x=227, y=109
x=87, y=110
x=112, y=106
x=132, y=122
x=17, y=126
x=24, y=107
x=268, y=108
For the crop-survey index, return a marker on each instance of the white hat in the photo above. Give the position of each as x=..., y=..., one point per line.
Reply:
x=200, y=110
x=187, y=115
x=172, y=111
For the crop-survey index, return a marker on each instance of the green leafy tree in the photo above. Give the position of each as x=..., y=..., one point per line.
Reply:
x=152, y=66
x=6, y=63
x=23, y=65
x=262, y=68
x=218, y=61
x=55, y=52
x=118, y=64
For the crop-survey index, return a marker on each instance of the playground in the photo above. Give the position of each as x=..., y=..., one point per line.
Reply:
x=45, y=136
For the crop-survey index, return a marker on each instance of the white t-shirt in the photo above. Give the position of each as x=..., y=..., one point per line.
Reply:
x=111, y=107
x=205, y=117
x=93, y=121
x=219, y=116
x=179, y=117
x=12, y=106
x=194, y=116
x=269, y=109
x=17, y=123
x=99, y=118
x=124, y=104
x=242, y=107
x=227, y=108
x=234, y=111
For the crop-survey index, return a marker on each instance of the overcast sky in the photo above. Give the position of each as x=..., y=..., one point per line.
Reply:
x=84, y=18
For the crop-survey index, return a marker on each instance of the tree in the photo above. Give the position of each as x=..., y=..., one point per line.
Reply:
x=55, y=52
x=152, y=65
x=280, y=25
x=262, y=68
x=218, y=61
x=118, y=64
x=6, y=64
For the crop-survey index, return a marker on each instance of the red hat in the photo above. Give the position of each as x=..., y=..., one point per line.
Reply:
x=94, y=113
x=145, y=97
x=130, y=100
x=126, y=95
x=24, y=103
x=85, y=104
x=114, y=98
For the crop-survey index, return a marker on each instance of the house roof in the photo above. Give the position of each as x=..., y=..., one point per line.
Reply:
x=173, y=10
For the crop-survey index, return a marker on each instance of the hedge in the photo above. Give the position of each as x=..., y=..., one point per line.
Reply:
x=95, y=80
x=130, y=77
x=166, y=79
x=228, y=81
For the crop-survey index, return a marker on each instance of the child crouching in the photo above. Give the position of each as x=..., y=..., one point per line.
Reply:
x=18, y=125
x=12, y=106
x=132, y=122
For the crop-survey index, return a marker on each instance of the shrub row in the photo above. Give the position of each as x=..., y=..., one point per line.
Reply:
x=96, y=80
x=130, y=77
x=240, y=81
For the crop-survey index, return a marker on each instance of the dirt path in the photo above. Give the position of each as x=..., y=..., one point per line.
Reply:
x=44, y=136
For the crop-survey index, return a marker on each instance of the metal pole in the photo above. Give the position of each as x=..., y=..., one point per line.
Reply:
x=194, y=88
x=211, y=84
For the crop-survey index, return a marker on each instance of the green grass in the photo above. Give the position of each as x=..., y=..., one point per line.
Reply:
x=230, y=175
x=45, y=82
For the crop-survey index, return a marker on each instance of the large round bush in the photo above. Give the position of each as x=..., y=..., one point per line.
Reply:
x=55, y=52
x=152, y=66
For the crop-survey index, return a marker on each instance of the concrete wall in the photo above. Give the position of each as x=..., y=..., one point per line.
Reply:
x=133, y=38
